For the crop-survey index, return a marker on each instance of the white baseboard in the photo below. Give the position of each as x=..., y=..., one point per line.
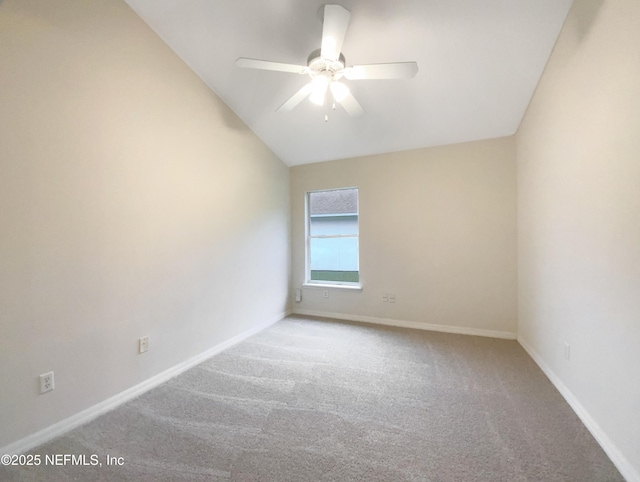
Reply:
x=618, y=459
x=68, y=424
x=461, y=330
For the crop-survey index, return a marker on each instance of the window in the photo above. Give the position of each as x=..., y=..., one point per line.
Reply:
x=332, y=237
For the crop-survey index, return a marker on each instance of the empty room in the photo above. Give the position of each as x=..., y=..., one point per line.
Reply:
x=297, y=241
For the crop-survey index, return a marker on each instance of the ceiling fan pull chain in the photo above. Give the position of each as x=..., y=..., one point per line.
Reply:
x=327, y=107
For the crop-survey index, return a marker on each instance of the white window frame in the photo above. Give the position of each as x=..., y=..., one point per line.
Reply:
x=307, y=235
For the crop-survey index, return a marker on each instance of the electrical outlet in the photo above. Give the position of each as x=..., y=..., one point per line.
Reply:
x=143, y=344
x=46, y=382
x=392, y=298
x=298, y=296
x=326, y=293
x=385, y=297
x=567, y=351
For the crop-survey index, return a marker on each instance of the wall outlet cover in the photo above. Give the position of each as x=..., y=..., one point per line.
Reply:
x=143, y=344
x=47, y=382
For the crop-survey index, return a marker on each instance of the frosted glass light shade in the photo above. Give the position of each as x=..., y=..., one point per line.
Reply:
x=320, y=84
x=339, y=91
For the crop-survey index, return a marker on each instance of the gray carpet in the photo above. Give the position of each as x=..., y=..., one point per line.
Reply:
x=313, y=400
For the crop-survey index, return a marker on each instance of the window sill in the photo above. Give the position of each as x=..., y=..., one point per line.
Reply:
x=353, y=287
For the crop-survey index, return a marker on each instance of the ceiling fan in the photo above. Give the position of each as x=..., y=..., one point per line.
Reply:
x=327, y=67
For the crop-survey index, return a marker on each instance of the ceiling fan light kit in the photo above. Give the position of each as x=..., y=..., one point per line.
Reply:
x=327, y=66
x=339, y=91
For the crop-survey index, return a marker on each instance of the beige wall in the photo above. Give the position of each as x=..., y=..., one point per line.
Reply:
x=132, y=202
x=579, y=221
x=437, y=229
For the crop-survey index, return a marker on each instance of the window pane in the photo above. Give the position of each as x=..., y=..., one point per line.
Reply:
x=342, y=224
x=334, y=254
x=343, y=276
x=340, y=201
x=333, y=213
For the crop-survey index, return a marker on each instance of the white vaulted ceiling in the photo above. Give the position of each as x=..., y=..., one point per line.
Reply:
x=479, y=63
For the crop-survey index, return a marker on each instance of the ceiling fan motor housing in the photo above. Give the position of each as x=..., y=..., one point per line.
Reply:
x=318, y=64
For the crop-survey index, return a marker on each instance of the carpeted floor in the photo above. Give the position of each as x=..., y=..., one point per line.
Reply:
x=312, y=400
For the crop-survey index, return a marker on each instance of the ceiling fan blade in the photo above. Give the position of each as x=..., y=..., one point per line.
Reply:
x=268, y=65
x=296, y=98
x=351, y=105
x=397, y=70
x=334, y=29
